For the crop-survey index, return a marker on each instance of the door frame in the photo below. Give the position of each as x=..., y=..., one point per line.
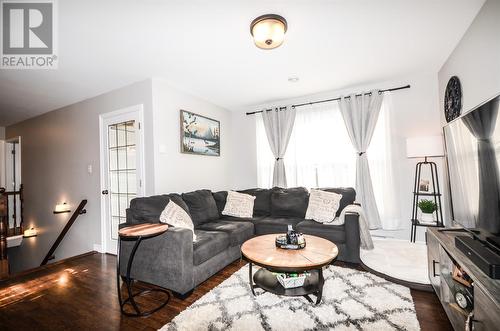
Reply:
x=135, y=112
x=18, y=170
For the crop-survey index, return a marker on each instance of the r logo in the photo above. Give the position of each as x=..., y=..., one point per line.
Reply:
x=27, y=27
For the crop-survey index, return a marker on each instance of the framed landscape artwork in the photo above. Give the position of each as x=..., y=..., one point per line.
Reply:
x=199, y=134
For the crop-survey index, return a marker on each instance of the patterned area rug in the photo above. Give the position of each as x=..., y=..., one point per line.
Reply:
x=352, y=300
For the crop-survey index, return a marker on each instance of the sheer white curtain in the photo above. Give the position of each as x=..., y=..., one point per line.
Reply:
x=320, y=154
x=278, y=124
x=360, y=115
x=382, y=160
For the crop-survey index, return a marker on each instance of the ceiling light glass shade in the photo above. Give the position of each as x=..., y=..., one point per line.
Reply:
x=268, y=31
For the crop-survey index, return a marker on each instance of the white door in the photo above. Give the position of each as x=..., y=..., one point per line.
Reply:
x=122, y=169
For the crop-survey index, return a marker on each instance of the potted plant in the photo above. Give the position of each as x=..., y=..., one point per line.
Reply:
x=428, y=207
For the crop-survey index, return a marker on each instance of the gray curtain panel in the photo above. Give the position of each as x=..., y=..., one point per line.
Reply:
x=481, y=123
x=279, y=125
x=360, y=115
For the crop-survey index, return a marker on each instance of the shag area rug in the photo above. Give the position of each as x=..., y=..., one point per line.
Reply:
x=352, y=300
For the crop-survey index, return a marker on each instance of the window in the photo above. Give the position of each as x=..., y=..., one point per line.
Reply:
x=320, y=154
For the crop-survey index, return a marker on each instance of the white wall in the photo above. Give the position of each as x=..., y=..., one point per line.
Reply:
x=476, y=60
x=245, y=150
x=415, y=114
x=177, y=172
x=56, y=149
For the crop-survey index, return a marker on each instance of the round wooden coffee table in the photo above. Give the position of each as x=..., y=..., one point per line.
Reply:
x=263, y=252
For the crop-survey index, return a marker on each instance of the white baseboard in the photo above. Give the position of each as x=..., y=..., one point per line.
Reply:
x=98, y=248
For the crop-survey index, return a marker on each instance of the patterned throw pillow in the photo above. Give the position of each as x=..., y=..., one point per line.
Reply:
x=322, y=206
x=174, y=215
x=239, y=205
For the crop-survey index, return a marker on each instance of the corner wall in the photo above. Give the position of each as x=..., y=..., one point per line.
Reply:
x=178, y=172
x=56, y=149
x=475, y=60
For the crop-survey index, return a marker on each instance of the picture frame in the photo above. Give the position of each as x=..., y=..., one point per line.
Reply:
x=199, y=135
x=423, y=186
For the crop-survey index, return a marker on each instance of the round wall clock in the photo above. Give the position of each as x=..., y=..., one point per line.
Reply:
x=453, y=99
x=463, y=300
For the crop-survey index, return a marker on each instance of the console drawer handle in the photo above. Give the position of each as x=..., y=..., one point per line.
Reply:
x=434, y=262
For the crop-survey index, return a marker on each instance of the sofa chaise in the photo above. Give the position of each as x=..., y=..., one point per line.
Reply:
x=173, y=261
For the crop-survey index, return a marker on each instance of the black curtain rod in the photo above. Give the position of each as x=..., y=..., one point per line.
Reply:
x=329, y=100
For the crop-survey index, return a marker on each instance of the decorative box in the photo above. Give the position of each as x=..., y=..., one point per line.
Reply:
x=291, y=280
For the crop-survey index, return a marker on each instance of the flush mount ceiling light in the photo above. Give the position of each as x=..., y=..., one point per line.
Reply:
x=268, y=31
x=293, y=79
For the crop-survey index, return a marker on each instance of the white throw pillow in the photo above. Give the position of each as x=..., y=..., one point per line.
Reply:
x=239, y=205
x=174, y=215
x=323, y=206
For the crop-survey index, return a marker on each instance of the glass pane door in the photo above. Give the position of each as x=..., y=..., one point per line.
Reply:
x=122, y=171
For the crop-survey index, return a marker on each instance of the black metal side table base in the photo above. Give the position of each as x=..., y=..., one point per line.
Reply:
x=129, y=281
x=131, y=301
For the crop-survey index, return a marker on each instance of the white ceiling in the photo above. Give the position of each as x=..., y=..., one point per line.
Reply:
x=205, y=47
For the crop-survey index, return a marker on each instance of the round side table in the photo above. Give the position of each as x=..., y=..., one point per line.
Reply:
x=137, y=233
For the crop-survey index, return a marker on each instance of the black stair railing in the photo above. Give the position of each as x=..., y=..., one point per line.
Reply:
x=79, y=210
x=4, y=228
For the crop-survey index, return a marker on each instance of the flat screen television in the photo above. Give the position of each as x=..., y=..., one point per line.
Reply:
x=473, y=151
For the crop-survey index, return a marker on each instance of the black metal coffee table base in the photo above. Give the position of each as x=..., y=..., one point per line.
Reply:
x=267, y=281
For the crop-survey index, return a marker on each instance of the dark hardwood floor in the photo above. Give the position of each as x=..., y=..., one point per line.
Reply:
x=80, y=294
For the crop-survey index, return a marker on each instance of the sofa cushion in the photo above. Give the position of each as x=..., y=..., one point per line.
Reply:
x=238, y=231
x=348, y=196
x=220, y=200
x=202, y=206
x=262, y=204
x=334, y=233
x=322, y=206
x=239, y=205
x=273, y=224
x=177, y=217
x=148, y=209
x=208, y=244
x=242, y=219
x=290, y=202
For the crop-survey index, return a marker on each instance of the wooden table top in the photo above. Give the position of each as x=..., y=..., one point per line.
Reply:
x=143, y=230
x=262, y=251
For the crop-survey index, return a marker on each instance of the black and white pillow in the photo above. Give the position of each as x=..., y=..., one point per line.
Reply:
x=323, y=206
x=239, y=205
x=174, y=215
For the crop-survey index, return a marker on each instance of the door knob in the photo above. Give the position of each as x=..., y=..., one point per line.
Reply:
x=105, y=192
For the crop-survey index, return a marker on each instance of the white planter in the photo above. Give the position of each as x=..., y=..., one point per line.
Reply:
x=427, y=218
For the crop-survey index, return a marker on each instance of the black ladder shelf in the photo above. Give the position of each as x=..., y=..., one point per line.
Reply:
x=417, y=194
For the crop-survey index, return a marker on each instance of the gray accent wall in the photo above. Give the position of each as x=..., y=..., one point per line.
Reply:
x=475, y=60
x=57, y=148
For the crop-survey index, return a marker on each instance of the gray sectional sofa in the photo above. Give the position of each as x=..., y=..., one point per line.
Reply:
x=173, y=261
